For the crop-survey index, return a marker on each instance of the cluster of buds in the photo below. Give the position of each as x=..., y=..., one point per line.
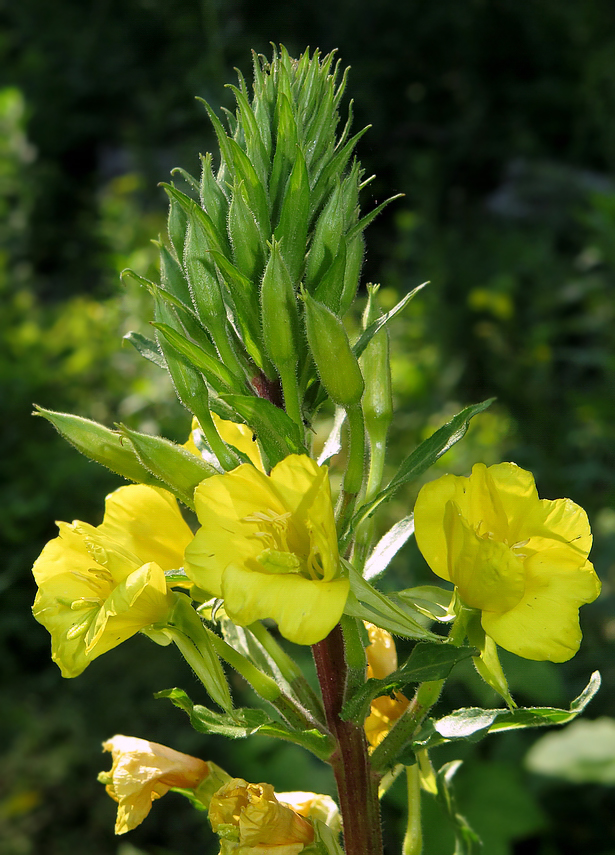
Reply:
x=264, y=259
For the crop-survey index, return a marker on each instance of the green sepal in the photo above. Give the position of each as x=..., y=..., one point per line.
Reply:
x=292, y=227
x=246, y=237
x=99, y=443
x=176, y=225
x=255, y=148
x=355, y=252
x=326, y=239
x=243, y=297
x=189, y=179
x=279, y=311
x=334, y=168
x=255, y=192
x=285, y=150
x=241, y=723
x=488, y=662
x=424, y=456
x=277, y=432
x=146, y=347
x=217, y=374
x=474, y=723
x=172, y=277
x=367, y=603
x=331, y=284
x=368, y=218
x=179, y=469
x=213, y=199
x=426, y=662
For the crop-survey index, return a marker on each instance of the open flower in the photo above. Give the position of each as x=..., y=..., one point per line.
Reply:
x=268, y=546
x=143, y=771
x=100, y=585
x=521, y=560
x=382, y=661
x=251, y=821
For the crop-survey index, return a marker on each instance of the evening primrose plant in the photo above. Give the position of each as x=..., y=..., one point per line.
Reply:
x=260, y=266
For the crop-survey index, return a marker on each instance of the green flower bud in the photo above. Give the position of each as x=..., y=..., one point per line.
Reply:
x=337, y=366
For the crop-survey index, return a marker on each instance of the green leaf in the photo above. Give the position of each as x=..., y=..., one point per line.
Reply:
x=427, y=661
x=424, y=456
x=368, y=334
x=179, y=469
x=367, y=603
x=146, y=347
x=388, y=546
x=241, y=723
x=276, y=431
x=430, y=600
x=475, y=723
x=99, y=443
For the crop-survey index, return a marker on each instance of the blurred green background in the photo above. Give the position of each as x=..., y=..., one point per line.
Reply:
x=496, y=119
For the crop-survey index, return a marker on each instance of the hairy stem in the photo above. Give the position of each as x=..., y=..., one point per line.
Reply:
x=357, y=785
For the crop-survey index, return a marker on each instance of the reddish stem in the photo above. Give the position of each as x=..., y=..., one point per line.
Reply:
x=357, y=785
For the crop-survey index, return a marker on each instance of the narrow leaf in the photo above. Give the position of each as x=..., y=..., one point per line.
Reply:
x=277, y=432
x=146, y=347
x=388, y=546
x=368, y=334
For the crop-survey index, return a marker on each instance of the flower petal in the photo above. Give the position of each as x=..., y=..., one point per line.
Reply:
x=147, y=522
x=545, y=623
x=306, y=611
x=429, y=520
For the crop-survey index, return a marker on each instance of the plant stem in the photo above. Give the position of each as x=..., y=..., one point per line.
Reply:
x=356, y=450
x=413, y=838
x=357, y=785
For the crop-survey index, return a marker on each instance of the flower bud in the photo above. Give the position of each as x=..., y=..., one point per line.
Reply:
x=337, y=366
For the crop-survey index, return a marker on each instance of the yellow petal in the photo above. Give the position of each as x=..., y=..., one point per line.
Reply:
x=298, y=480
x=147, y=522
x=429, y=521
x=545, y=623
x=381, y=652
x=486, y=572
x=242, y=438
x=306, y=611
x=139, y=601
x=514, y=491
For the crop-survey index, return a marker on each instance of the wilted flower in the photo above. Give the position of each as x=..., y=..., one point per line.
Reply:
x=251, y=821
x=143, y=771
x=100, y=585
x=382, y=661
x=521, y=560
x=268, y=546
x=313, y=806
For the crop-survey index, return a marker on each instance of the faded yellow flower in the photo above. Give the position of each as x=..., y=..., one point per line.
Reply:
x=382, y=661
x=268, y=546
x=100, y=585
x=521, y=560
x=143, y=771
x=313, y=806
x=251, y=821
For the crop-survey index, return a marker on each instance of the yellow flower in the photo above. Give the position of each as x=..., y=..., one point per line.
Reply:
x=521, y=560
x=268, y=546
x=143, y=771
x=239, y=436
x=99, y=586
x=251, y=821
x=382, y=661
